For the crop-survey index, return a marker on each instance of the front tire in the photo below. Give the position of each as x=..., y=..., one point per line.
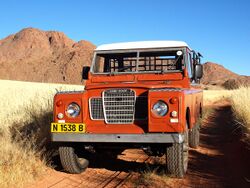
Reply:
x=177, y=158
x=194, y=137
x=70, y=161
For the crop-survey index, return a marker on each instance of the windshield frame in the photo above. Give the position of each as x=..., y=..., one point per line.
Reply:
x=137, y=51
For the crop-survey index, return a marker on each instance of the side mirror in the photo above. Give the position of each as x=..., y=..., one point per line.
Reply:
x=198, y=71
x=85, y=72
x=199, y=57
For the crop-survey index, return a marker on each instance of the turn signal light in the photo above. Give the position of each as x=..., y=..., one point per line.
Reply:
x=59, y=103
x=174, y=100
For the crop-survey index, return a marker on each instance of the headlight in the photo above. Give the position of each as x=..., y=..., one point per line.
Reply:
x=160, y=108
x=73, y=110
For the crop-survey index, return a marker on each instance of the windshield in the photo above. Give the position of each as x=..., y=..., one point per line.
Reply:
x=131, y=62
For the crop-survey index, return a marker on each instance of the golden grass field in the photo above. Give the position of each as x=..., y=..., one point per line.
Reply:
x=26, y=105
x=23, y=104
x=211, y=96
x=240, y=100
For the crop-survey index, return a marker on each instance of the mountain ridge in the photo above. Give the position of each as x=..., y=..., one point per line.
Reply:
x=43, y=56
x=216, y=74
x=50, y=56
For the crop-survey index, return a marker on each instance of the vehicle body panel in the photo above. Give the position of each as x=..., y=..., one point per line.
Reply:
x=152, y=87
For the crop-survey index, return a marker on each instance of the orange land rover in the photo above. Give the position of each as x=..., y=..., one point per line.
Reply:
x=137, y=94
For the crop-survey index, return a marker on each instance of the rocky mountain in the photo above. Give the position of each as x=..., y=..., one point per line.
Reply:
x=215, y=74
x=43, y=56
x=50, y=56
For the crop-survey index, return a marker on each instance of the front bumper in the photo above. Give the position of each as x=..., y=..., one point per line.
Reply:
x=118, y=138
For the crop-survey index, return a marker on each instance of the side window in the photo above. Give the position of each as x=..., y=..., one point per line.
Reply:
x=190, y=66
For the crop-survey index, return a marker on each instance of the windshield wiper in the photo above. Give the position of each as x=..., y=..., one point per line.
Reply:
x=123, y=68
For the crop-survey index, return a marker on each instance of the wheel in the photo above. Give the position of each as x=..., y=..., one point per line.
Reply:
x=194, y=137
x=177, y=158
x=71, y=162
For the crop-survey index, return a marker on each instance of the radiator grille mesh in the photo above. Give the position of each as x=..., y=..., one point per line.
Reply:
x=119, y=106
x=96, y=109
x=140, y=108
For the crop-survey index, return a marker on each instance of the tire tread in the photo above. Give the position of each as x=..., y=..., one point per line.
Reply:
x=69, y=160
x=194, y=137
x=175, y=159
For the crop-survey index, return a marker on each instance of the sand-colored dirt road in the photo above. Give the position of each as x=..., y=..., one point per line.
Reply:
x=222, y=160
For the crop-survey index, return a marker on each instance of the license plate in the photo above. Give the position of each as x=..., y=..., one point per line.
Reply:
x=68, y=127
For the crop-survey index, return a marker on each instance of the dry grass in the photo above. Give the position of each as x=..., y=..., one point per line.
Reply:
x=211, y=96
x=26, y=111
x=155, y=174
x=20, y=162
x=152, y=178
x=240, y=100
x=18, y=99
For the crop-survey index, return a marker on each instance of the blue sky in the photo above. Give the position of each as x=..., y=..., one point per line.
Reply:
x=220, y=29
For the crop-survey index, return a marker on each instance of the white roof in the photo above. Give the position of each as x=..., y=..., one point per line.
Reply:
x=141, y=45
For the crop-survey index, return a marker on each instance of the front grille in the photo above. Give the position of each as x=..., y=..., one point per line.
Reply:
x=96, y=108
x=119, y=106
